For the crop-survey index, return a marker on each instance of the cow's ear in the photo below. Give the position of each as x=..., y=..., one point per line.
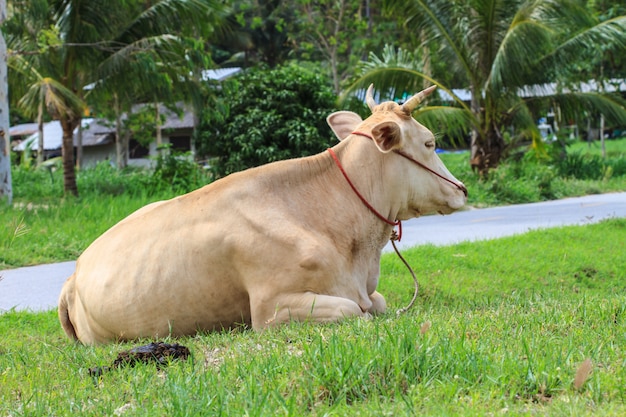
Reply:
x=343, y=123
x=387, y=136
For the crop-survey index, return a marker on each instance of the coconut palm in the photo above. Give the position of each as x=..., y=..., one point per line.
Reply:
x=496, y=48
x=103, y=44
x=46, y=92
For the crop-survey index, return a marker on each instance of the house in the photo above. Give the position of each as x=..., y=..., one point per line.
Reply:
x=98, y=138
x=98, y=135
x=53, y=137
x=96, y=144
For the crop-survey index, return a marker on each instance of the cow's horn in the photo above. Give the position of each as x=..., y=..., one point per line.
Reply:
x=369, y=98
x=414, y=101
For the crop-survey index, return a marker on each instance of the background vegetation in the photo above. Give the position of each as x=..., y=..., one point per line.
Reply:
x=265, y=116
x=66, y=57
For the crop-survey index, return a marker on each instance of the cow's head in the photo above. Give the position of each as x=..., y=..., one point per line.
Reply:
x=418, y=170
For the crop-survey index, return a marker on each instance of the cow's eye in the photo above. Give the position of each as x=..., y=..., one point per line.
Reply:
x=430, y=144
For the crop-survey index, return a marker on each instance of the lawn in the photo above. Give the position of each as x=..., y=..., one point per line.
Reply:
x=526, y=325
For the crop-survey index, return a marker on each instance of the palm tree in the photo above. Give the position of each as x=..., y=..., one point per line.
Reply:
x=159, y=58
x=55, y=97
x=497, y=48
x=101, y=44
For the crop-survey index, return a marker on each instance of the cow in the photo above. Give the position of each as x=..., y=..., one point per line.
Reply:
x=298, y=239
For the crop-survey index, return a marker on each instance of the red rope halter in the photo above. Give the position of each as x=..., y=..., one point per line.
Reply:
x=394, y=236
x=418, y=163
x=398, y=223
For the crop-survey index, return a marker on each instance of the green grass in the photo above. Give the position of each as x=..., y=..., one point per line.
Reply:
x=47, y=232
x=527, y=178
x=500, y=328
x=614, y=147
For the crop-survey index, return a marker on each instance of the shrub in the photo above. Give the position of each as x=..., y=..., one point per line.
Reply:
x=104, y=179
x=265, y=116
x=577, y=165
x=618, y=166
x=178, y=172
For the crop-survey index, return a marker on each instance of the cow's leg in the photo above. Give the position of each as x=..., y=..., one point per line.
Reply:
x=379, y=305
x=301, y=307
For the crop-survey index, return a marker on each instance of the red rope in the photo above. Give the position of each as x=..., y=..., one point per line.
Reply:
x=395, y=236
x=418, y=163
x=398, y=223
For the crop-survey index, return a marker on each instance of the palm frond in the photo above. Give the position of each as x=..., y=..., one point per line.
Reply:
x=453, y=122
x=395, y=76
x=607, y=35
x=523, y=121
x=523, y=43
x=573, y=105
x=130, y=55
x=202, y=16
x=27, y=71
x=58, y=99
x=435, y=20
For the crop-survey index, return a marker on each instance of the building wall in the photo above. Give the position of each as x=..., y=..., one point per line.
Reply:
x=92, y=155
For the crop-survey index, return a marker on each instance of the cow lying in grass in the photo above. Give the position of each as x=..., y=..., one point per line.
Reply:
x=299, y=239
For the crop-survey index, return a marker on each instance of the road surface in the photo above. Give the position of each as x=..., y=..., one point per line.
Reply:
x=37, y=288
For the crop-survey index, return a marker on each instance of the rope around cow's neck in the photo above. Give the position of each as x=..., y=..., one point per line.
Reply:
x=395, y=236
x=393, y=239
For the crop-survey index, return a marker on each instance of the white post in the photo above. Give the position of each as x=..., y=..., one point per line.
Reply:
x=5, y=140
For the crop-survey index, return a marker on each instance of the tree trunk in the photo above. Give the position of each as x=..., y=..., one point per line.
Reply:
x=40, y=137
x=79, y=146
x=487, y=145
x=5, y=140
x=486, y=150
x=602, y=144
x=159, y=136
x=121, y=141
x=67, y=150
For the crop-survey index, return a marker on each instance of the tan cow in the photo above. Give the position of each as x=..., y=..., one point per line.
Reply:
x=286, y=241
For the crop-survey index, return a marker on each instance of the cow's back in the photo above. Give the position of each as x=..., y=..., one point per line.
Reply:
x=189, y=263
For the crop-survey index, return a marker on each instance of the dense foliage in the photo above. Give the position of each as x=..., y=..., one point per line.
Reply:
x=265, y=116
x=511, y=62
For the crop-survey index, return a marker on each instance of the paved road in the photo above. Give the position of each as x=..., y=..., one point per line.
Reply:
x=37, y=288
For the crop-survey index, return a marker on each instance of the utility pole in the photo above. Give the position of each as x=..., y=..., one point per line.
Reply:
x=5, y=141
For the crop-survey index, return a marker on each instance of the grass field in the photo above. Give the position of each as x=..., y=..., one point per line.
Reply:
x=527, y=325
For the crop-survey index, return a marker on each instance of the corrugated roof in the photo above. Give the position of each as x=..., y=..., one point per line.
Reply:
x=219, y=74
x=52, y=136
x=23, y=129
x=98, y=131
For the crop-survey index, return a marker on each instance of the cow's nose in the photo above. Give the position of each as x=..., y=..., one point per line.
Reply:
x=462, y=187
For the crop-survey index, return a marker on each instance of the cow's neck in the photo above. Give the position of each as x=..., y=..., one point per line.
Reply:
x=367, y=169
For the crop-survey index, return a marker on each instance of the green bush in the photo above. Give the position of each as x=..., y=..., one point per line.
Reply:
x=265, y=116
x=174, y=174
x=577, y=165
x=36, y=183
x=618, y=166
x=178, y=172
